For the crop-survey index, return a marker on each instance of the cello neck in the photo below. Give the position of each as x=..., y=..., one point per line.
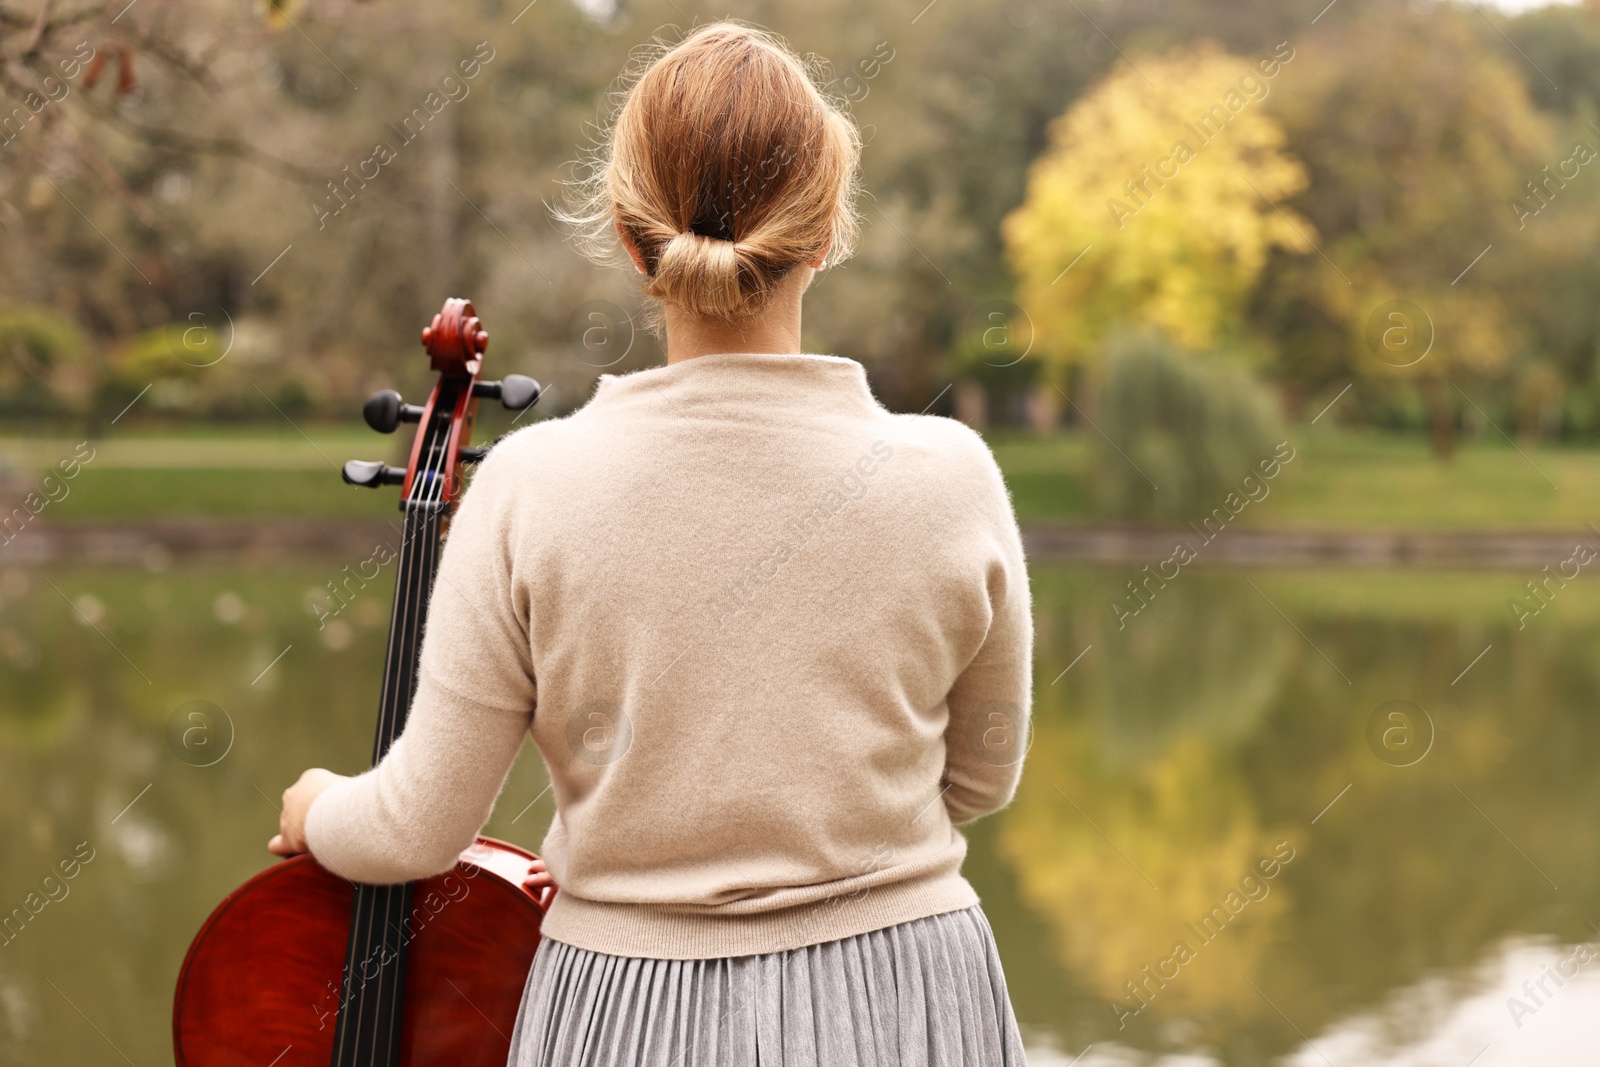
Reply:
x=371, y=999
x=419, y=554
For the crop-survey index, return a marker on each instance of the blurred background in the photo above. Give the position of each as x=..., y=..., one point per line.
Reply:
x=1278, y=316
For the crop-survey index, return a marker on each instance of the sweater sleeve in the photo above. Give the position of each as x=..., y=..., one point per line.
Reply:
x=990, y=703
x=412, y=815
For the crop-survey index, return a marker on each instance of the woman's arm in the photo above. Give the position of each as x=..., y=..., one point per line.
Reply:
x=990, y=703
x=413, y=814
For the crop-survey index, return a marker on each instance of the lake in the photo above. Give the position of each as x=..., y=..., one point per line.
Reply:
x=1274, y=817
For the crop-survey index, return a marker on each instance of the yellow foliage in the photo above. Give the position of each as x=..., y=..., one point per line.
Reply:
x=1186, y=824
x=1169, y=183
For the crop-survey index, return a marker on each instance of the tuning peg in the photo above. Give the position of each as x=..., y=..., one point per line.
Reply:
x=473, y=453
x=386, y=410
x=372, y=474
x=514, y=391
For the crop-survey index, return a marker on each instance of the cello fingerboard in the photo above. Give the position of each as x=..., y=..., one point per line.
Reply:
x=373, y=989
x=368, y=1029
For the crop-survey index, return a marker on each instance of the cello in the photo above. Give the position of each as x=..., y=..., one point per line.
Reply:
x=299, y=967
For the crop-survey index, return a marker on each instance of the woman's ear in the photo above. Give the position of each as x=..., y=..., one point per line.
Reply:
x=820, y=260
x=633, y=251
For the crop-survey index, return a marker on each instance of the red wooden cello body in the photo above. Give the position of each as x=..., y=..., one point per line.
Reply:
x=302, y=968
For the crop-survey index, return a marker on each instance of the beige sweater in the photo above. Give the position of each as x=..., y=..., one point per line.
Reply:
x=772, y=641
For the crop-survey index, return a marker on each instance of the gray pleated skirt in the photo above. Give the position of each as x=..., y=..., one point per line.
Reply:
x=924, y=993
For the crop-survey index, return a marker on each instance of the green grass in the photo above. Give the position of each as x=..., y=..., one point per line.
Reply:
x=1338, y=479
x=229, y=473
x=154, y=493
x=1348, y=480
x=224, y=447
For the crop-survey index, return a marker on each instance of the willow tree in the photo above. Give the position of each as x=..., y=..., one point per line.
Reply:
x=1157, y=203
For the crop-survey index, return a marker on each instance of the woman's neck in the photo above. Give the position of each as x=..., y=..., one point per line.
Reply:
x=776, y=329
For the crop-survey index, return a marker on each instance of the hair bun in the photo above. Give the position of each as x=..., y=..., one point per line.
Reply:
x=701, y=274
x=726, y=132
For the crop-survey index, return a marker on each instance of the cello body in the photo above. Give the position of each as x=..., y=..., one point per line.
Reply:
x=300, y=967
x=261, y=982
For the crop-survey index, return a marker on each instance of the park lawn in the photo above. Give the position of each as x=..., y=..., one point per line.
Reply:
x=1472, y=600
x=1338, y=479
x=246, y=472
x=1349, y=480
x=196, y=470
x=142, y=494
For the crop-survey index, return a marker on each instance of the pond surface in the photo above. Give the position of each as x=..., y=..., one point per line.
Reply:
x=1276, y=818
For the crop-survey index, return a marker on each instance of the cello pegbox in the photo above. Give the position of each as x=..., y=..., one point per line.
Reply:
x=456, y=338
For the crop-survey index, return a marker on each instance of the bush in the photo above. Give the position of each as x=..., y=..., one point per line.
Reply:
x=42, y=361
x=1191, y=424
x=226, y=370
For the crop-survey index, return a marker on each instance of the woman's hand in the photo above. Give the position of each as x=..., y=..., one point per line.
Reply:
x=291, y=836
x=539, y=882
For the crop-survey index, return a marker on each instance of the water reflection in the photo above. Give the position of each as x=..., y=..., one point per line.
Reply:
x=1208, y=861
x=1453, y=1018
x=1150, y=796
x=95, y=665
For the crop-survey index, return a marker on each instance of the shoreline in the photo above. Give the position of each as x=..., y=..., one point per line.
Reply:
x=157, y=544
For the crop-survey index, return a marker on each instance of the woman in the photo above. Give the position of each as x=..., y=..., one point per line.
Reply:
x=771, y=640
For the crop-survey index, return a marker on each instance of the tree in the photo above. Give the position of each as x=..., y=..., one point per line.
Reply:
x=1156, y=203
x=1420, y=140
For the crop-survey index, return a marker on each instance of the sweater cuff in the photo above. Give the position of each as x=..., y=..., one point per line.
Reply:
x=328, y=826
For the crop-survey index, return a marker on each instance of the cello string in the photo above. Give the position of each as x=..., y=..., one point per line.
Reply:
x=430, y=514
x=388, y=994
x=367, y=903
x=425, y=500
x=350, y=1029
x=428, y=551
x=384, y=995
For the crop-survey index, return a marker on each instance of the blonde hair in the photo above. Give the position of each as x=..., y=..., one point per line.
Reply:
x=726, y=166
